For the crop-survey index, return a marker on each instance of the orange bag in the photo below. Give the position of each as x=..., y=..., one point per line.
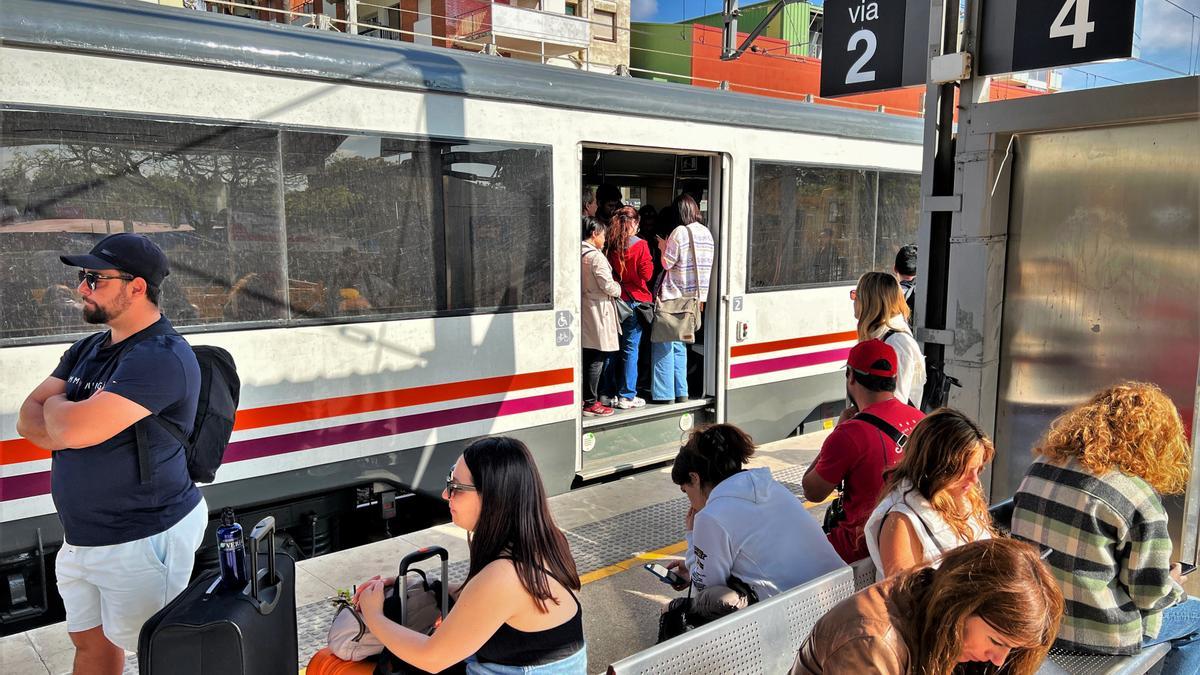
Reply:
x=325, y=663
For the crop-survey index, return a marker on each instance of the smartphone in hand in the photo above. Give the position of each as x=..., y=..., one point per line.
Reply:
x=664, y=574
x=1186, y=569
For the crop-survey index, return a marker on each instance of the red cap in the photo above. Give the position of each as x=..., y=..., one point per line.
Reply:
x=873, y=357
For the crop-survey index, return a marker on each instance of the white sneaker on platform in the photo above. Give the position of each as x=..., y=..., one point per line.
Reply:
x=628, y=403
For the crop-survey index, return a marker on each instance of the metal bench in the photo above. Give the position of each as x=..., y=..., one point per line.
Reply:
x=762, y=638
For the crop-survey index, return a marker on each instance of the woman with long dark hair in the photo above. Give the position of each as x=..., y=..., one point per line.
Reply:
x=991, y=607
x=517, y=612
x=931, y=500
x=629, y=256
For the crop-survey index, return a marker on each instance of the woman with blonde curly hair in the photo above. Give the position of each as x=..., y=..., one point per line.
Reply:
x=991, y=607
x=1091, y=496
x=882, y=313
x=931, y=501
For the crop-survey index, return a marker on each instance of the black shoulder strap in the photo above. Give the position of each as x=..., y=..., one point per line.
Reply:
x=139, y=429
x=898, y=437
x=888, y=334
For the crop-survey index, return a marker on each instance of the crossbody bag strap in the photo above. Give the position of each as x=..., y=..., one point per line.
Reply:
x=695, y=260
x=925, y=526
x=898, y=437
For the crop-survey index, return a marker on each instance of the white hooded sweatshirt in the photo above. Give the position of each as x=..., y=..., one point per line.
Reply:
x=756, y=530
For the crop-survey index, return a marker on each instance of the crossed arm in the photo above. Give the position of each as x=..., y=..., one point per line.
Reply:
x=48, y=420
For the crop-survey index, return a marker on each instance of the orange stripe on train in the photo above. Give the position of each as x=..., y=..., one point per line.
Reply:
x=18, y=450
x=792, y=343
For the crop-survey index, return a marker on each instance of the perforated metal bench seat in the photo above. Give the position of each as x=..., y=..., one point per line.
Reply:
x=1074, y=663
x=762, y=638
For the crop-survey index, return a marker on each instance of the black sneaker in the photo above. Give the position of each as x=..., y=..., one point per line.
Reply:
x=681, y=399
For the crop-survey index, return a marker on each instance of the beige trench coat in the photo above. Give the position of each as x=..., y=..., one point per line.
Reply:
x=600, y=327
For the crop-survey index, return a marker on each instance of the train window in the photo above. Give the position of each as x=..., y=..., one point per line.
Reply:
x=498, y=225
x=206, y=194
x=899, y=215
x=810, y=225
x=362, y=219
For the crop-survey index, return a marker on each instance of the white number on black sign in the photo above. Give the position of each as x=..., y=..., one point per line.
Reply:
x=1078, y=31
x=857, y=74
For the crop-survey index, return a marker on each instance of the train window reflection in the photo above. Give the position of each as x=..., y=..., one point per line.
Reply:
x=820, y=226
x=206, y=194
x=362, y=220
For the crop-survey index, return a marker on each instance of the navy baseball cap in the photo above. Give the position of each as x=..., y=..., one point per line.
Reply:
x=131, y=253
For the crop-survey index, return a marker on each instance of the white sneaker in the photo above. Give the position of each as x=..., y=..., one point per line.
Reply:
x=627, y=403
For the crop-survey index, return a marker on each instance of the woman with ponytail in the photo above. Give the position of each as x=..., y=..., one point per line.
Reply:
x=749, y=538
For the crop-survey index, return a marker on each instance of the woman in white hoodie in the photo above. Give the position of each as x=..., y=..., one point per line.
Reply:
x=749, y=537
x=882, y=314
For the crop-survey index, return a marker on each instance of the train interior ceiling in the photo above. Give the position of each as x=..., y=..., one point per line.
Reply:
x=650, y=180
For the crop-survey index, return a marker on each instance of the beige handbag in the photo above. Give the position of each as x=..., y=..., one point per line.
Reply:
x=678, y=319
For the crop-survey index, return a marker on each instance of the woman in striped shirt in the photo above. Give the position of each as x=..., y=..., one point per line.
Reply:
x=1091, y=496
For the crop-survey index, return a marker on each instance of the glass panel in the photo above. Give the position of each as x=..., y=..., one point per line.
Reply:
x=810, y=225
x=362, y=224
x=899, y=215
x=206, y=194
x=604, y=25
x=498, y=210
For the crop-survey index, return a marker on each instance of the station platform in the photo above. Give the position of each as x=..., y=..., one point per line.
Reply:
x=613, y=528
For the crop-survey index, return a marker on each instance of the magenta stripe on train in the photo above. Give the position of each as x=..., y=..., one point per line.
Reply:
x=34, y=484
x=788, y=362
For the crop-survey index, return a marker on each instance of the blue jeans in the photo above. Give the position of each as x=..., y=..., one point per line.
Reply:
x=1180, y=627
x=575, y=664
x=625, y=364
x=669, y=379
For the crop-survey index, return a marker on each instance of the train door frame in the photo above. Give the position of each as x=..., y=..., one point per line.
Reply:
x=711, y=404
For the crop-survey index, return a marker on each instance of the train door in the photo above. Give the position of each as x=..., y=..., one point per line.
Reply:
x=651, y=180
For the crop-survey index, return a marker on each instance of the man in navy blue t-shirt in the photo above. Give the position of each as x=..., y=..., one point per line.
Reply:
x=130, y=531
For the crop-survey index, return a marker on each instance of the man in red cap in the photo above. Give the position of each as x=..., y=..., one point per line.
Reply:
x=868, y=439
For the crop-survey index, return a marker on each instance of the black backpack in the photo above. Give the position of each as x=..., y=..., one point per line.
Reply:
x=219, y=391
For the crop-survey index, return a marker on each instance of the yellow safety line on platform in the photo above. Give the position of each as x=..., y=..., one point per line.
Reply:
x=642, y=558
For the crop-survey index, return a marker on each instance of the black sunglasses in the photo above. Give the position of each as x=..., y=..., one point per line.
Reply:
x=453, y=486
x=93, y=278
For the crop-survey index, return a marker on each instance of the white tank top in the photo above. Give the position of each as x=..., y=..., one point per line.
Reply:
x=935, y=535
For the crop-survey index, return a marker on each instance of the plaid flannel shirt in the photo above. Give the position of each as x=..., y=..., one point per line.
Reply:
x=1110, y=552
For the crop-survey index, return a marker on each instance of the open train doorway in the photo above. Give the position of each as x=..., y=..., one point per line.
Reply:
x=651, y=183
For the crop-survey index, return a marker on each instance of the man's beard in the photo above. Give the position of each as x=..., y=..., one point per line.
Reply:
x=95, y=314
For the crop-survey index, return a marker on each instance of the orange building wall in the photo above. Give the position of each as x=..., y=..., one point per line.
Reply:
x=775, y=73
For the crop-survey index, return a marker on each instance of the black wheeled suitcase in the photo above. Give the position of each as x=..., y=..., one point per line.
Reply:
x=396, y=608
x=213, y=630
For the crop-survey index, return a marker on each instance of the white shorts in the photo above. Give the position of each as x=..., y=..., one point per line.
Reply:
x=122, y=585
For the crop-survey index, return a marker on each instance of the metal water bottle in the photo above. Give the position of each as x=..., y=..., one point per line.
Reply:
x=231, y=550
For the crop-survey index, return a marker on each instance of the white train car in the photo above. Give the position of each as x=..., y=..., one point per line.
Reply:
x=386, y=238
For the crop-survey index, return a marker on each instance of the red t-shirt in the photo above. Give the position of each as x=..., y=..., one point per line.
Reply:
x=639, y=267
x=856, y=452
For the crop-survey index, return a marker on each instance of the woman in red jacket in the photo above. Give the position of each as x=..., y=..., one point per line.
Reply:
x=632, y=267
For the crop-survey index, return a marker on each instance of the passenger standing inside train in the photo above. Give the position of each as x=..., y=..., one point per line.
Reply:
x=687, y=261
x=129, y=536
x=517, y=612
x=882, y=314
x=629, y=257
x=600, y=327
x=905, y=269
x=589, y=203
x=991, y=607
x=931, y=501
x=1092, y=497
x=749, y=538
x=854, y=457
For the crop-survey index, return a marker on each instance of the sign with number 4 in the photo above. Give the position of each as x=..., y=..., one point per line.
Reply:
x=1020, y=35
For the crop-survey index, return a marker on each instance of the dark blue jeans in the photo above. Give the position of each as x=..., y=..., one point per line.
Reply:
x=1180, y=627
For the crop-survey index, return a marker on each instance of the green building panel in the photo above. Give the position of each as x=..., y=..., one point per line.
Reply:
x=791, y=24
x=664, y=49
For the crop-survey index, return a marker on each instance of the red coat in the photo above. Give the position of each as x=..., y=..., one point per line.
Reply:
x=639, y=267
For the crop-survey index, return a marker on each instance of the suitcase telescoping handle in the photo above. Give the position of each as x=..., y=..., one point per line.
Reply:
x=265, y=585
x=421, y=555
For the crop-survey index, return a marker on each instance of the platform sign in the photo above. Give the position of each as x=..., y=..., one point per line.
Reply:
x=1020, y=35
x=872, y=45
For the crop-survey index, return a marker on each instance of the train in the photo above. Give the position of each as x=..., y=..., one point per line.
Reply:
x=385, y=236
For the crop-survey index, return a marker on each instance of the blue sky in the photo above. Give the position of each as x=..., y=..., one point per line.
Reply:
x=1169, y=39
